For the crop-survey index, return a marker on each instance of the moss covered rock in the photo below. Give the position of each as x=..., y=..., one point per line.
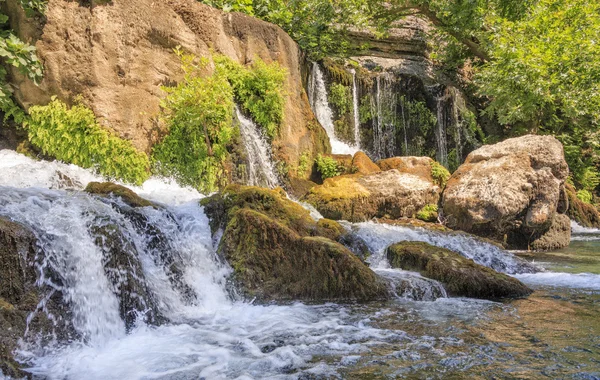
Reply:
x=274, y=263
x=20, y=296
x=388, y=194
x=279, y=253
x=459, y=275
x=419, y=166
x=127, y=195
x=585, y=214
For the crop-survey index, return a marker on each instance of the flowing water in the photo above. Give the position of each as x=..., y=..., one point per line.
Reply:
x=206, y=332
x=317, y=96
x=355, y=111
x=261, y=169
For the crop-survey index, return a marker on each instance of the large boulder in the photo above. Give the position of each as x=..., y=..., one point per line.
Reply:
x=20, y=297
x=363, y=164
x=116, y=55
x=459, y=275
x=279, y=253
x=389, y=194
x=509, y=191
x=419, y=166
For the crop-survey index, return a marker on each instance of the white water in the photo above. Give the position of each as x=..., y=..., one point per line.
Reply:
x=440, y=132
x=317, y=96
x=210, y=335
x=384, y=125
x=261, y=169
x=580, y=233
x=356, y=112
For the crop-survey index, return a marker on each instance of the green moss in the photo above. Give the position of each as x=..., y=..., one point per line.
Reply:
x=330, y=229
x=304, y=164
x=73, y=135
x=585, y=196
x=340, y=97
x=337, y=72
x=128, y=196
x=440, y=174
x=429, y=213
x=459, y=275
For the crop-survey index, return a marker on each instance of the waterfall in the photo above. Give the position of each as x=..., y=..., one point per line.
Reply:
x=355, y=103
x=384, y=125
x=261, y=169
x=441, y=128
x=317, y=96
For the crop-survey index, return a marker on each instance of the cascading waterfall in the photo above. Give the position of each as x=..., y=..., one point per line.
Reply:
x=261, y=169
x=356, y=112
x=317, y=96
x=384, y=124
x=189, y=323
x=442, y=127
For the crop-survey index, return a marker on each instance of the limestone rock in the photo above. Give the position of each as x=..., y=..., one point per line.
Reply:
x=460, y=276
x=388, y=194
x=109, y=188
x=363, y=164
x=419, y=166
x=508, y=191
x=118, y=54
x=279, y=252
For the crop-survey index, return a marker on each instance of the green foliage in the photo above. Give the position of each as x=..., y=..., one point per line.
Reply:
x=74, y=136
x=199, y=116
x=585, y=196
x=440, y=174
x=22, y=56
x=304, y=164
x=258, y=89
x=328, y=167
x=341, y=97
x=244, y=6
x=33, y=7
x=429, y=213
x=364, y=109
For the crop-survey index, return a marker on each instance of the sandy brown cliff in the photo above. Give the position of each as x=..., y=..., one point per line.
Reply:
x=117, y=56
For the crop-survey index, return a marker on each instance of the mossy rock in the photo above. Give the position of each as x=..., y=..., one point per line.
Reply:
x=460, y=276
x=20, y=296
x=272, y=262
x=221, y=207
x=330, y=229
x=363, y=164
x=584, y=214
x=127, y=195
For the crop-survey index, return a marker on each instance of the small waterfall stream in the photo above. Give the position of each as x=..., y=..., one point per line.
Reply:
x=384, y=124
x=206, y=331
x=355, y=110
x=317, y=96
x=261, y=169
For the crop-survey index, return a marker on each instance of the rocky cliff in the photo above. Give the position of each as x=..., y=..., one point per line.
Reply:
x=117, y=55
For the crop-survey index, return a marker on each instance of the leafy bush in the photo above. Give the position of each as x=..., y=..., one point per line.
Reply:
x=440, y=174
x=340, y=97
x=585, y=196
x=304, y=164
x=199, y=116
x=32, y=7
x=74, y=136
x=328, y=167
x=258, y=89
x=429, y=213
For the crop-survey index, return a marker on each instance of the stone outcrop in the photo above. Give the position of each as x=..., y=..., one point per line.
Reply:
x=279, y=253
x=20, y=296
x=118, y=54
x=109, y=188
x=363, y=164
x=460, y=276
x=585, y=214
x=510, y=192
x=419, y=166
x=390, y=194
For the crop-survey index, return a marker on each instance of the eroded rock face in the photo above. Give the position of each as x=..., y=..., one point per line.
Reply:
x=460, y=276
x=390, y=194
x=508, y=191
x=279, y=253
x=419, y=166
x=20, y=296
x=118, y=54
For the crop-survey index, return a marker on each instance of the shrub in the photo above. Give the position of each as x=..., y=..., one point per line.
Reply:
x=74, y=136
x=328, y=167
x=440, y=174
x=340, y=97
x=258, y=89
x=304, y=164
x=199, y=116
